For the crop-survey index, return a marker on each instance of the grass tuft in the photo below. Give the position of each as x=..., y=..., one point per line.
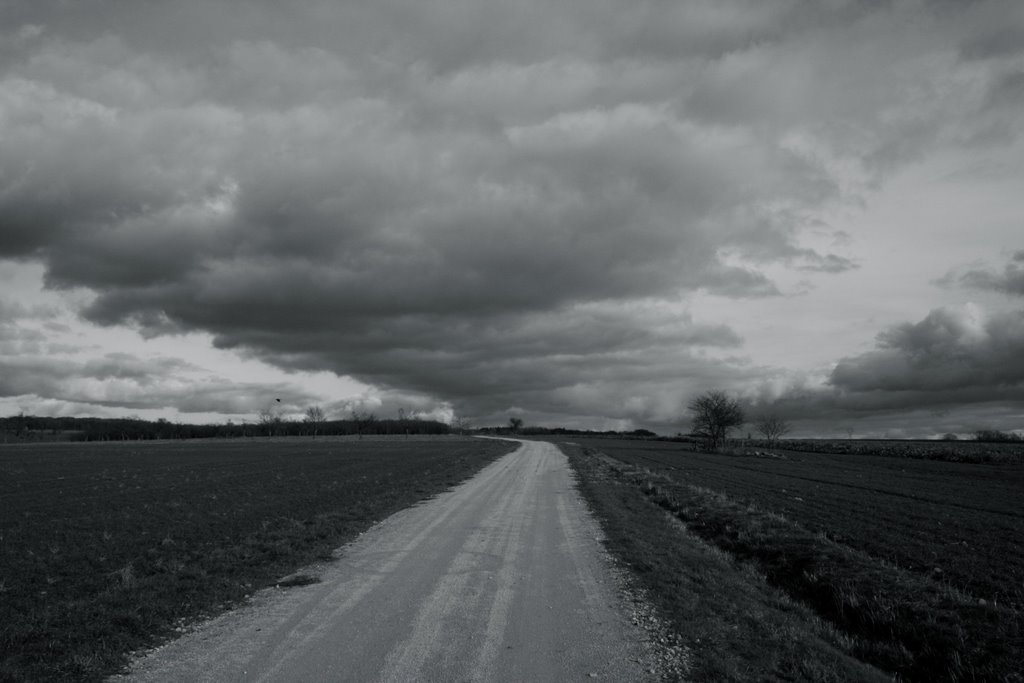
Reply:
x=125, y=577
x=297, y=580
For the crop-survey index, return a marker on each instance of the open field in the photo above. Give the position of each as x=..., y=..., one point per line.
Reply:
x=930, y=449
x=920, y=561
x=105, y=548
x=724, y=620
x=958, y=523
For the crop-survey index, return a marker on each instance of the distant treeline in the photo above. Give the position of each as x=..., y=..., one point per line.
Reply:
x=562, y=431
x=27, y=428
x=994, y=436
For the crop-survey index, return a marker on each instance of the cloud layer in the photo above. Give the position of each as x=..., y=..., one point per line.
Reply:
x=948, y=350
x=1009, y=281
x=956, y=370
x=500, y=206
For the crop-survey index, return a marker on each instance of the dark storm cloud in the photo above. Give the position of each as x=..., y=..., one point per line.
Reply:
x=828, y=263
x=957, y=370
x=11, y=311
x=947, y=350
x=129, y=367
x=1008, y=91
x=898, y=414
x=490, y=363
x=16, y=337
x=48, y=379
x=1001, y=41
x=495, y=205
x=126, y=381
x=1009, y=281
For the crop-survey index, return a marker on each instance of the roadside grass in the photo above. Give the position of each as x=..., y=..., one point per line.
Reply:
x=733, y=625
x=106, y=549
x=917, y=627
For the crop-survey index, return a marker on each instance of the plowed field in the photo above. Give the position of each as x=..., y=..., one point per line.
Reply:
x=958, y=522
x=104, y=546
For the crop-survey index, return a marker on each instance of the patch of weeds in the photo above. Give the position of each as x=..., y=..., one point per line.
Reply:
x=297, y=580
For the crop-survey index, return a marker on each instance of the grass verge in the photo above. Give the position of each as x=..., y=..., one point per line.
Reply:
x=733, y=625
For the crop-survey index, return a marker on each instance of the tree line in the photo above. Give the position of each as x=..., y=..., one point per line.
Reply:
x=28, y=428
x=715, y=414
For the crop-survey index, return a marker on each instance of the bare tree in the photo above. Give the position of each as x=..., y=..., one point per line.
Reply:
x=269, y=420
x=315, y=418
x=772, y=428
x=460, y=425
x=363, y=419
x=515, y=424
x=714, y=414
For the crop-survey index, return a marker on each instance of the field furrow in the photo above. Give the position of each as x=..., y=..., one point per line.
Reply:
x=919, y=562
x=961, y=523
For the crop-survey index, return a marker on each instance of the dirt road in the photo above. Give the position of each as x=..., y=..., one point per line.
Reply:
x=501, y=579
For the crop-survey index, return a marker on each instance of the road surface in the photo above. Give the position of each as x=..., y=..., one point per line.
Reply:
x=501, y=579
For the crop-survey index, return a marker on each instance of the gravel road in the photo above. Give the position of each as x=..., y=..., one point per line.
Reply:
x=501, y=579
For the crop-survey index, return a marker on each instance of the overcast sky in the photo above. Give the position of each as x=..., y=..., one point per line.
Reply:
x=579, y=212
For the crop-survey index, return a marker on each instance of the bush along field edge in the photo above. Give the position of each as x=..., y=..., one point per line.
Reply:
x=780, y=602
